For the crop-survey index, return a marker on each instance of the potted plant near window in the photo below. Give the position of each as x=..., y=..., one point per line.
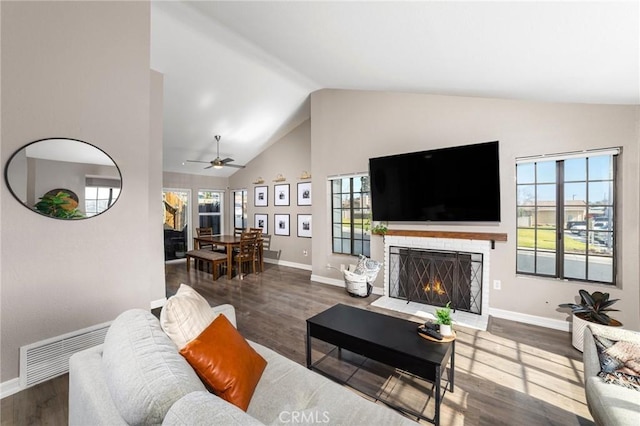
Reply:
x=592, y=310
x=443, y=317
x=379, y=229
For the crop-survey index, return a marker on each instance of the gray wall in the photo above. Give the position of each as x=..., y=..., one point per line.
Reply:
x=289, y=156
x=349, y=127
x=79, y=70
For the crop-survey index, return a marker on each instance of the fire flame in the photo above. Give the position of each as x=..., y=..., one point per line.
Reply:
x=437, y=287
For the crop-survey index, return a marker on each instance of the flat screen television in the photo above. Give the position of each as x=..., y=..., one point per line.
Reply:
x=457, y=184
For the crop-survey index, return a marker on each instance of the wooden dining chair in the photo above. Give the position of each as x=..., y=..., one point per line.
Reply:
x=246, y=252
x=203, y=232
x=209, y=246
x=263, y=243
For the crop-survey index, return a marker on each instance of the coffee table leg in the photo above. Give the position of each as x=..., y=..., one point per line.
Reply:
x=453, y=364
x=308, y=347
x=436, y=417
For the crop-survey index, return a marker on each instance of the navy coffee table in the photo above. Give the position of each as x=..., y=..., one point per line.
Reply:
x=386, y=339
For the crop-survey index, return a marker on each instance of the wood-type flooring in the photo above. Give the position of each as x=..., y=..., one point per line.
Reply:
x=512, y=374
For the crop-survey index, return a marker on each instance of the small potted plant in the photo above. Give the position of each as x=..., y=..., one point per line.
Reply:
x=592, y=310
x=443, y=317
x=379, y=229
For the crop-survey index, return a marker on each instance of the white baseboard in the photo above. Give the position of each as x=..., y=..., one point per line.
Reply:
x=158, y=303
x=290, y=264
x=10, y=387
x=378, y=290
x=531, y=319
x=327, y=280
x=340, y=283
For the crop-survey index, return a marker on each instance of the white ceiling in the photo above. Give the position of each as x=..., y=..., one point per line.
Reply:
x=244, y=70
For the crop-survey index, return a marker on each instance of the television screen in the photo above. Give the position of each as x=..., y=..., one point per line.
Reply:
x=458, y=184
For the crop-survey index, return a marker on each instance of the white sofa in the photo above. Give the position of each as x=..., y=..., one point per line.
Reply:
x=138, y=377
x=609, y=404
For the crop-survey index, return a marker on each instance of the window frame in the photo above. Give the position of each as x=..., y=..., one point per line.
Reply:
x=105, y=183
x=561, y=222
x=219, y=213
x=366, y=236
x=244, y=196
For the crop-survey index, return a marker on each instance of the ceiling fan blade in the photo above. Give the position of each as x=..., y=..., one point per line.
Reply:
x=218, y=162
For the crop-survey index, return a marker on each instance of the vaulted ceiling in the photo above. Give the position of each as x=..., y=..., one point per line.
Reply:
x=245, y=70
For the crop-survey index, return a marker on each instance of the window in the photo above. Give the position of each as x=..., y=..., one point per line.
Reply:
x=100, y=194
x=209, y=210
x=566, y=216
x=240, y=209
x=350, y=211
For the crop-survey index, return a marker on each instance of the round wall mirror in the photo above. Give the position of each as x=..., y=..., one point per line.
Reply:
x=63, y=178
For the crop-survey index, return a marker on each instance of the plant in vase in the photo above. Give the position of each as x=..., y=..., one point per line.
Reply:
x=443, y=318
x=592, y=310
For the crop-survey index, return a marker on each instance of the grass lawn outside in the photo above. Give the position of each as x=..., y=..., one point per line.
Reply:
x=547, y=240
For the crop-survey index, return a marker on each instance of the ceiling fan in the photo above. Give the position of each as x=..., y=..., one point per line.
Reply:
x=218, y=163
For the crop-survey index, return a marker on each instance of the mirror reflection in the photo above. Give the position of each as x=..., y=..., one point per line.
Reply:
x=63, y=178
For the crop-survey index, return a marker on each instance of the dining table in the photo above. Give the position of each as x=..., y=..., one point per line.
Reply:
x=228, y=241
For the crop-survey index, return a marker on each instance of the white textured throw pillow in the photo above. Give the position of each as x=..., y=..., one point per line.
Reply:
x=185, y=316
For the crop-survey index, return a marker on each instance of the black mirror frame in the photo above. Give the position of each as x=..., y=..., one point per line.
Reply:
x=7, y=183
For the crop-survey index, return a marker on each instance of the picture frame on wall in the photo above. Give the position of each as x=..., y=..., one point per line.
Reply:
x=281, y=224
x=281, y=194
x=261, y=221
x=304, y=193
x=304, y=225
x=261, y=196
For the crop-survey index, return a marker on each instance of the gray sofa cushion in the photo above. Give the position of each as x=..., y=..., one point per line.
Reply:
x=145, y=373
x=204, y=408
x=289, y=393
x=90, y=402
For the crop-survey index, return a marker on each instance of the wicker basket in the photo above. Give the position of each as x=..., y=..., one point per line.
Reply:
x=358, y=281
x=356, y=284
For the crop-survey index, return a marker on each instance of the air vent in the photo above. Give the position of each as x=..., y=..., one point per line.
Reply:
x=49, y=358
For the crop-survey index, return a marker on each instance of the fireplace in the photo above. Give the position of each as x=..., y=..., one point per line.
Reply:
x=436, y=277
x=479, y=264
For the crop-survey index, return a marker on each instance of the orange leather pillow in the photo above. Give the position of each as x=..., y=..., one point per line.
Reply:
x=225, y=362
